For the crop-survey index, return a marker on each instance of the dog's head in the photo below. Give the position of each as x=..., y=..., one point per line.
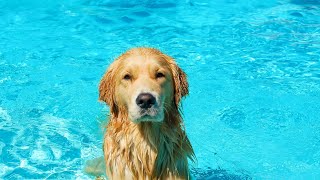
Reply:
x=143, y=84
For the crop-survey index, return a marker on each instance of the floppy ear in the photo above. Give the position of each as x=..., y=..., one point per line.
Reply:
x=107, y=88
x=181, y=86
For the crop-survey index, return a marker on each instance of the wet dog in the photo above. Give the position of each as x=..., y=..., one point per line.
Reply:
x=145, y=137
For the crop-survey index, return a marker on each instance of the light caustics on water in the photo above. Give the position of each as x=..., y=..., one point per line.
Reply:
x=253, y=68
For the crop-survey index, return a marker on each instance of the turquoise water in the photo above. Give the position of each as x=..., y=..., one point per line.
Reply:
x=253, y=67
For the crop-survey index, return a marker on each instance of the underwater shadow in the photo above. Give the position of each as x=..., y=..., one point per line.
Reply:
x=217, y=174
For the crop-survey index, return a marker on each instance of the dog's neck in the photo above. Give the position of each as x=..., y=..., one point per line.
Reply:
x=155, y=142
x=151, y=131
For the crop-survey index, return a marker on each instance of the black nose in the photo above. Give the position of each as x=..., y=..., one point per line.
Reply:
x=145, y=100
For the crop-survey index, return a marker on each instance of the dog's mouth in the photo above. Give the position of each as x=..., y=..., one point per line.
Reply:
x=153, y=114
x=146, y=108
x=149, y=113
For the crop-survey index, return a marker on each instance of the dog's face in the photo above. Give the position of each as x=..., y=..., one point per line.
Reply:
x=144, y=87
x=145, y=84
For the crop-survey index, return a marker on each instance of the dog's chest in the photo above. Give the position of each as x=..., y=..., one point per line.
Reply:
x=129, y=155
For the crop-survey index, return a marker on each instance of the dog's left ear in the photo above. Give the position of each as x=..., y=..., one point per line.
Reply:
x=181, y=86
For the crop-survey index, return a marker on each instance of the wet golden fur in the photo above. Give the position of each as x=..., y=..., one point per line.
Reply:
x=145, y=149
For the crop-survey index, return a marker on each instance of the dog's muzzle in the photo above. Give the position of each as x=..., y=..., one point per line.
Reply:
x=146, y=108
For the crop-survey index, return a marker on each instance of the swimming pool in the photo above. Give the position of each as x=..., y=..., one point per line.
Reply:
x=253, y=67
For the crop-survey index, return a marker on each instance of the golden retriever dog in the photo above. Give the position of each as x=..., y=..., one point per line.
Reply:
x=145, y=136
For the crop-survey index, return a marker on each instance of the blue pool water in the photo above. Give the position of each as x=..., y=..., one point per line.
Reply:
x=254, y=71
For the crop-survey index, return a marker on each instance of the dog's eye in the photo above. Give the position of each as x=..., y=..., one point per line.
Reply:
x=159, y=75
x=127, y=77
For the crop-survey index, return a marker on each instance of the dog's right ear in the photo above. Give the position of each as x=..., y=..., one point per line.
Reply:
x=107, y=88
